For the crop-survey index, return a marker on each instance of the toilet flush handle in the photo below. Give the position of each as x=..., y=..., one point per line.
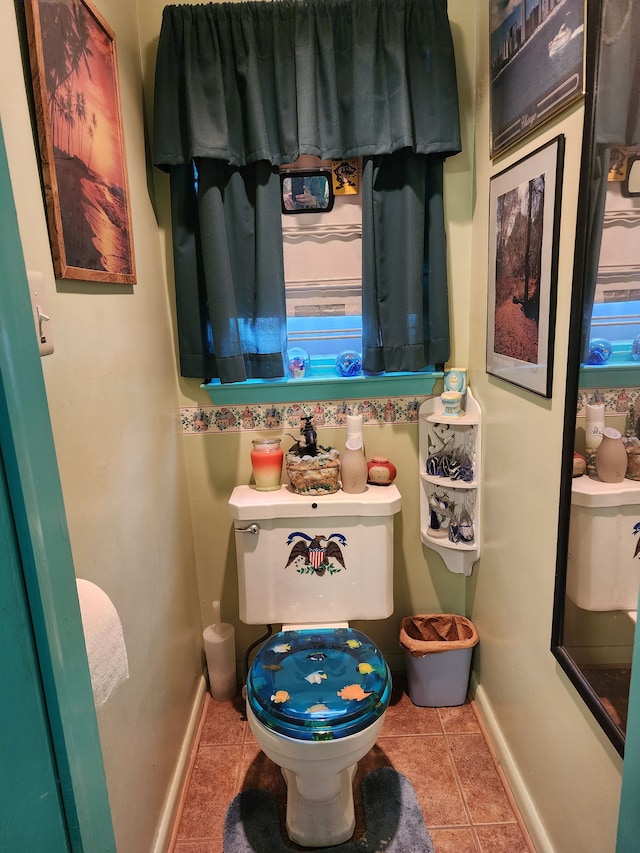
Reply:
x=252, y=528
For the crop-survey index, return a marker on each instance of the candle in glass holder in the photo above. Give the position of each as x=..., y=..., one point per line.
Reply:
x=266, y=460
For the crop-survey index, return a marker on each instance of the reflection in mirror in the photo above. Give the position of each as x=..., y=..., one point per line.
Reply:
x=308, y=191
x=631, y=186
x=598, y=569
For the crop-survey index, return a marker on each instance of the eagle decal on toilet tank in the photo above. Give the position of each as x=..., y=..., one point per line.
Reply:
x=316, y=554
x=636, y=530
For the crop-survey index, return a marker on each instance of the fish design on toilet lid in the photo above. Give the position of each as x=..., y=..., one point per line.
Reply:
x=318, y=684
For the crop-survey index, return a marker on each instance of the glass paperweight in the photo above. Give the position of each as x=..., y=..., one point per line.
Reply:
x=349, y=363
x=299, y=362
x=635, y=349
x=599, y=351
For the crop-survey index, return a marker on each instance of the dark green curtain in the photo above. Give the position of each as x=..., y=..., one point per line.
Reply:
x=616, y=123
x=405, y=309
x=229, y=270
x=243, y=87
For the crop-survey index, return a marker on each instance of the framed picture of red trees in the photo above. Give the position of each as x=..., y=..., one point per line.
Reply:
x=524, y=222
x=75, y=81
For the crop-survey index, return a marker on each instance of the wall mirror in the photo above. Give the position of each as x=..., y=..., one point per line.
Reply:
x=306, y=191
x=598, y=571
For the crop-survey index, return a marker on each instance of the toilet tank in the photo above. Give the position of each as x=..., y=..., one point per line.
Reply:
x=305, y=559
x=602, y=571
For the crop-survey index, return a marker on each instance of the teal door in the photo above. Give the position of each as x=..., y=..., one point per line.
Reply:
x=53, y=794
x=629, y=816
x=31, y=814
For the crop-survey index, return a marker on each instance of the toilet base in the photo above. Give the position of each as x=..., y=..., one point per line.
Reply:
x=320, y=824
x=319, y=777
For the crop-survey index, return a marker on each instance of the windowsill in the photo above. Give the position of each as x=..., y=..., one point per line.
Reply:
x=322, y=386
x=620, y=371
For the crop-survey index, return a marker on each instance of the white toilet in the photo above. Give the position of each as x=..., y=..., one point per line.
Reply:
x=603, y=571
x=318, y=690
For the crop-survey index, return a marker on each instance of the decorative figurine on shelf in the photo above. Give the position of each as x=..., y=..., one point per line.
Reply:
x=307, y=443
x=440, y=513
x=349, y=363
x=456, y=380
x=452, y=402
x=466, y=532
x=632, y=446
x=353, y=464
x=450, y=462
x=579, y=465
x=454, y=528
x=594, y=424
x=312, y=468
x=381, y=472
x=299, y=362
x=599, y=351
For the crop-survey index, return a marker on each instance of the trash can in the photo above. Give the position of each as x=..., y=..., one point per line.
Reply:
x=438, y=650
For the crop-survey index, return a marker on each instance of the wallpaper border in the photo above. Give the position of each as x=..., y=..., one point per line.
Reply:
x=196, y=420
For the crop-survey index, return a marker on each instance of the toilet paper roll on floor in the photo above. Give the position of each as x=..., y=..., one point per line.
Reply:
x=220, y=649
x=104, y=639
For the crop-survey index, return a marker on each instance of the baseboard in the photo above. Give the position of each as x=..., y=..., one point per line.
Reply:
x=174, y=793
x=512, y=774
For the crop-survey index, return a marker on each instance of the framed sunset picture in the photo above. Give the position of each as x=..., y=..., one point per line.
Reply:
x=75, y=81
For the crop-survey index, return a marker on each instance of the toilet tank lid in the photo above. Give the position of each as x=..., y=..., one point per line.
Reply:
x=588, y=492
x=247, y=503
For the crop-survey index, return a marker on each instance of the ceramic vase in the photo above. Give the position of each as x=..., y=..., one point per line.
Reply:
x=266, y=461
x=381, y=471
x=353, y=471
x=611, y=457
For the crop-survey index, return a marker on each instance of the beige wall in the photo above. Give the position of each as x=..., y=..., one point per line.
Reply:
x=112, y=391
x=560, y=763
x=136, y=490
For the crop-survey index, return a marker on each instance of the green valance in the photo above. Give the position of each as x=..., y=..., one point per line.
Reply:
x=242, y=82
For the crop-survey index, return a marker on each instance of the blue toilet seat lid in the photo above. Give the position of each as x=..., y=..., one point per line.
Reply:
x=318, y=684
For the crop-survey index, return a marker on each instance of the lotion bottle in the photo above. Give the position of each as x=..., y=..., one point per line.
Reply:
x=353, y=465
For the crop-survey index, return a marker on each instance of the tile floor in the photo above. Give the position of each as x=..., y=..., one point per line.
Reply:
x=443, y=751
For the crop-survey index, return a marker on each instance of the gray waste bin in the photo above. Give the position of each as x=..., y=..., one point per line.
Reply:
x=438, y=649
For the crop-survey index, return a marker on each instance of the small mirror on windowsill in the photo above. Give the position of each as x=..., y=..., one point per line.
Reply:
x=631, y=186
x=306, y=191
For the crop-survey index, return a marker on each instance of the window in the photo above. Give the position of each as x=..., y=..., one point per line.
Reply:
x=323, y=276
x=322, y=254
x=615, y=315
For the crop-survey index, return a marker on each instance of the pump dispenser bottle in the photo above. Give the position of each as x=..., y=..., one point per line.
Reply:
x=353, y=465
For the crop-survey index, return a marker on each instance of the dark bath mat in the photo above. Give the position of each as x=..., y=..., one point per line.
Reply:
x=393, y=820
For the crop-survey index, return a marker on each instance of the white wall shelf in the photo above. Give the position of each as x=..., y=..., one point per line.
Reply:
x=450, y=507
